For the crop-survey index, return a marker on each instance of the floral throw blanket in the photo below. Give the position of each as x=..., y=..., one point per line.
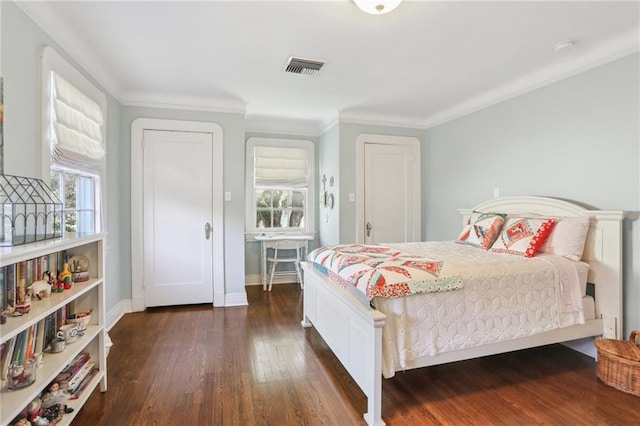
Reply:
x=381, y=271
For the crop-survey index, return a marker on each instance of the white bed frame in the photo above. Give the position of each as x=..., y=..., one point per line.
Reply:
x=354, y=331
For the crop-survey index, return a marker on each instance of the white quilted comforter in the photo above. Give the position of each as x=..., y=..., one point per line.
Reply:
x=504, y=297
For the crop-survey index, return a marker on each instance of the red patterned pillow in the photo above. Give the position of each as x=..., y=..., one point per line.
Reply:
x=523, y=235
x=482, y=229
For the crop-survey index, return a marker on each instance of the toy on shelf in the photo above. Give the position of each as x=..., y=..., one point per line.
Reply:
x=65, y=277
x=40, y=289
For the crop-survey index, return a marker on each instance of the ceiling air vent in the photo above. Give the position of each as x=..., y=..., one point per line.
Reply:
x=303, y=66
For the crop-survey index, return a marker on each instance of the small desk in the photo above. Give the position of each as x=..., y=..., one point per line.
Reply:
x=269, y=240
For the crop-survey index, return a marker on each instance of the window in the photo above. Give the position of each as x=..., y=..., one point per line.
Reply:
x=74, y=117
x=280, y=184
x=78, y=192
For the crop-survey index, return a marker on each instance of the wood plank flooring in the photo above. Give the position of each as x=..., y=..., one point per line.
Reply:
x=256, y=365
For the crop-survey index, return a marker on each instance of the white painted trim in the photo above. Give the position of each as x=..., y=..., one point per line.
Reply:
x=51, y=60
x=152, y=100
x=118, y=311
x=625, y=44
x=409, y=141
x=284, y=126
x=137, y=131
x=285, y=277
x=236, y=299
x=253, y=279
x=310, y=208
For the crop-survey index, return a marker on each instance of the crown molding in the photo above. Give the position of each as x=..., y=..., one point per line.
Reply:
x=208, y=104
x=370, y=119
x=76, y=51
x=616, y=48
x=624, y=45
x=256, y=123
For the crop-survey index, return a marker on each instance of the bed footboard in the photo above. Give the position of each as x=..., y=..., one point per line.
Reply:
x=352, y=330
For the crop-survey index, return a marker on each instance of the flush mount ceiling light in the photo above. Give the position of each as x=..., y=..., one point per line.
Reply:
x=377, y=7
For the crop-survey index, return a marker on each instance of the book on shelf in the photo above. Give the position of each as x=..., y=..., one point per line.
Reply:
x=67, y=375
x=79, y=390
x=21, y=347
x=80, y=375
x=43, y=266
x=61, y=316
x=21, y=272
x=31, y=335
x=10, y=284
x=3, y=306
x=39, y=342
x=7, y=357
x=49, y=329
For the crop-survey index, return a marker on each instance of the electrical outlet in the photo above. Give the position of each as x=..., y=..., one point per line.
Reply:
x=609, y=326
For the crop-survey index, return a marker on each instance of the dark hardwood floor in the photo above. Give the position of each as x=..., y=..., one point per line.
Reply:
x=256, y=365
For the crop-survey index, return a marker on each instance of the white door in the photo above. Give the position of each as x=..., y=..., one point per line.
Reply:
x=177, y=210
x=391, y=176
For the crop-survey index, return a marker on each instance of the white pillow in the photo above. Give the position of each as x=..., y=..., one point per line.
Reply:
x=567, y=238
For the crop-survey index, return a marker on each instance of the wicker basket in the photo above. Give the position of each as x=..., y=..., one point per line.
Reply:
x=619, y=363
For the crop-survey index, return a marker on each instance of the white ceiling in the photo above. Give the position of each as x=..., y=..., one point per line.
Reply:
x=422, y=64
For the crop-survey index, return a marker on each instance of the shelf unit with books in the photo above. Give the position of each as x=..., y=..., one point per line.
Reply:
x=86, y=296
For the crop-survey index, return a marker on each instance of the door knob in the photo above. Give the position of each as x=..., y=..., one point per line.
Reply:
x=368, y=229
x=207, y=230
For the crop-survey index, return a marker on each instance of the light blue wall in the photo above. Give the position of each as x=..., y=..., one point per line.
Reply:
x=22, y=42
x=576, y=139
x=349, y=133
x=329, y=219
x=20, y=61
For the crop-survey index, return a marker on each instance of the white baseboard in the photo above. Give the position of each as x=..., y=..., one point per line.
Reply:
x=255, y=279
x=279, y=278
x=137, y=304
x=114, y=315
x=235, y=299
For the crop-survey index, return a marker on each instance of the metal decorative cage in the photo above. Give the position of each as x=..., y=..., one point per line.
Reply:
x=31, y=211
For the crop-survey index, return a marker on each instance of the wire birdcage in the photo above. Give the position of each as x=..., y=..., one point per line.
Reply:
x=31, y=211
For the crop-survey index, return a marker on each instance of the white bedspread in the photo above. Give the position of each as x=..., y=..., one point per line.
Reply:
x=504, y=297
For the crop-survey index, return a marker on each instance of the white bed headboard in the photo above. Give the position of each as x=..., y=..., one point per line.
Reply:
x=603, y=247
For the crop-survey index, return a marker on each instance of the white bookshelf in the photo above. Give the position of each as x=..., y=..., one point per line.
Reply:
x=86, y=296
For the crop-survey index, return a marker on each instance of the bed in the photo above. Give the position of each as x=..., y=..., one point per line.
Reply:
x=363, y=332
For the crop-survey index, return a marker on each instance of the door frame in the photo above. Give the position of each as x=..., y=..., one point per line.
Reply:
x=137, y=171
x=409, y=141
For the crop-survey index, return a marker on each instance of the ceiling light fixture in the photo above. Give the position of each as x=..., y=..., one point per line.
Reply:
x=377, y=7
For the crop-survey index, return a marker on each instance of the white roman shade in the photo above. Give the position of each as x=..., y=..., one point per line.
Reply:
x=280, y=167
x=76, y=126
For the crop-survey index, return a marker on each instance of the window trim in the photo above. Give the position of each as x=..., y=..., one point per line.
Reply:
x=50, y=60
x=97, y=197
x=250, y=193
